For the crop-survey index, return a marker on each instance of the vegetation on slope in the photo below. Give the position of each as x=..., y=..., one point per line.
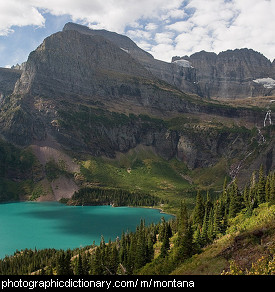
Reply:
x=216, y=237
x=19, y=171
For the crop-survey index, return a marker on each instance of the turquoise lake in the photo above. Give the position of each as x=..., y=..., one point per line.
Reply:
x=54, y=225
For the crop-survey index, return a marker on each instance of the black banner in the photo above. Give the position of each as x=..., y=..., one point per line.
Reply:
x=108, y=283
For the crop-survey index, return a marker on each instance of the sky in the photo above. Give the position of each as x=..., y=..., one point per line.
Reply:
x=162, y=28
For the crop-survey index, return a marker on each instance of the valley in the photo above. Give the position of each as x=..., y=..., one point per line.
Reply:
x=92, y=117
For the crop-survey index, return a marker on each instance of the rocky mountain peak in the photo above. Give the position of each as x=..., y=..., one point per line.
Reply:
x=71, y=62
x=121, y=41
x=230, y=73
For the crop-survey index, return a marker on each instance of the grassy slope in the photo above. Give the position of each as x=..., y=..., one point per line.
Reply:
x=248, y=239
x=140, y=170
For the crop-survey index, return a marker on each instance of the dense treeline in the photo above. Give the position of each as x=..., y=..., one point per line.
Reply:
x=210, y=218
x=115, y=197
x=124, y=256
x=155, y=249
x=16, y=171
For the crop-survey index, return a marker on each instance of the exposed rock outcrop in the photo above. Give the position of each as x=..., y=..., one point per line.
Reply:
x=230, y=74
x=96, y=92
x=8, y=78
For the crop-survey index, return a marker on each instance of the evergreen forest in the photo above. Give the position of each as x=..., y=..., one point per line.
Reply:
x=164, y=248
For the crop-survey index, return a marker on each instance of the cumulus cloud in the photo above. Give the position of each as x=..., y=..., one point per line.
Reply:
x=111, y=14
x=222, y=25
x=18, y=13
x=165, y=28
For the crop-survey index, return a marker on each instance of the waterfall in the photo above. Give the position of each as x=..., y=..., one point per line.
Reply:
x=268, y=118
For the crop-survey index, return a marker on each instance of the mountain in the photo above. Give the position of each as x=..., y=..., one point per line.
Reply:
x=85, y=95
x=93, y=119
x=8, y=78
x=231, y=74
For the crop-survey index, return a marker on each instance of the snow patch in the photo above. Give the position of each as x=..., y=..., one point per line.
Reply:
x=125, y=50
x=266, y=82
x=183, y=63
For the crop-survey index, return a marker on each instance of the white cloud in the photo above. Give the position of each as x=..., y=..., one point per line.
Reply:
x=164, y=37
x=165, y=27
x=114, y=15
x=139, y=34
x=222, y=25
x=180, y=26
x=163, y=51
x=151, y=26
x=18, y=13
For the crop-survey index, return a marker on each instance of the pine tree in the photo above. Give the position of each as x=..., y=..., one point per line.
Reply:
x=150, y=249
x=235, y=200
x=208, y=203
x=217, y=219
x=183, y=218
x=261, y=186
x=64, y=263
x=267, y=189
x=165, y=244
x=79, y=267
x=204, y=236
x=272, y=189
x=96, y=265
x=113, y=260
x=140, y=257
x=198, y=213
x=210, y=230
x=85, y=264
x=197, y=239
x=185, y=234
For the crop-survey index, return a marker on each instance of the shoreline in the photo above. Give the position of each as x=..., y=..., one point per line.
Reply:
x=54, y=201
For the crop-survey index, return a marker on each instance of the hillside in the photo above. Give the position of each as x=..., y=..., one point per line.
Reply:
x=246, y=249
x=232, y=234
x=94, y=119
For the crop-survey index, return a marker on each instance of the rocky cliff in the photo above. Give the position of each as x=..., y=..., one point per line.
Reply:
x=97, y=93
x=231, y=74
x=178, y=76
x=8, y=78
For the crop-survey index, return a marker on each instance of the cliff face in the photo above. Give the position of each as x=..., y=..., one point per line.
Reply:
x=178, y=76
x=8, y=78
x=231, y=74
x=72, y=63
x=96, y=92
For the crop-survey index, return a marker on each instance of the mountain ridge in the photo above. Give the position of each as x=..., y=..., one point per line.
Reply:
x=86, y=95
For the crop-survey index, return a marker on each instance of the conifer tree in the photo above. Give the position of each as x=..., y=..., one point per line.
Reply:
x=113, y=264
x=267, y=189
x=204, y=236
x=198, y=213
x=85, y=264
x=197, y=239
x=79, y=267
x=261, y=186
x=165, y=244
x=96, y=265
x=272, y=189
x=150, y=249
x=210, y=230
x=185, y=234
x=208, y=203
x=235, y=200
x=140, y=257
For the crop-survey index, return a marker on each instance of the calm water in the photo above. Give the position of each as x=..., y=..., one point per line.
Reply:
x=53, y=225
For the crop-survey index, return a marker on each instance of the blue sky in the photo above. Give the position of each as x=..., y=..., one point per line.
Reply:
x=16, y=46
x=163, y=28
